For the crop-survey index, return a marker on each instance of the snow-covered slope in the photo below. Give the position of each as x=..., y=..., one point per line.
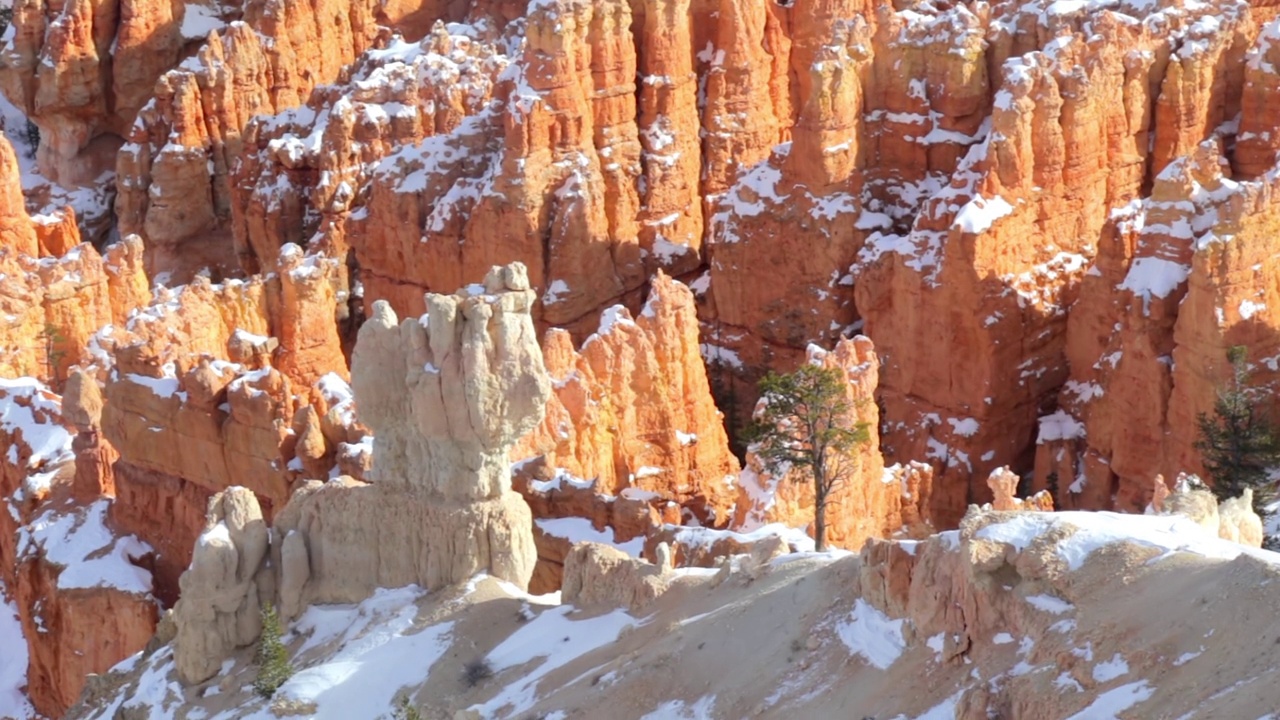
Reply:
x=1067, y=615
x=13, y=663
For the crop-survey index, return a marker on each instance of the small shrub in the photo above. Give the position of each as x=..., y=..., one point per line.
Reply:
x=406, y=710
x=476, y=672
x=272, y=658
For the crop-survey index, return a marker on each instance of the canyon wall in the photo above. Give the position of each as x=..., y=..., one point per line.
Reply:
x=68, y=569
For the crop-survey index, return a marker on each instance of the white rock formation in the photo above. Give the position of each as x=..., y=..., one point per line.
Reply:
x=219, y=609
x=446, y=396
x=1238, y=522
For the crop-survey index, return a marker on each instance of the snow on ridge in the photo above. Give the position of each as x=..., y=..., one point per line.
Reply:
x=29, y=407
x=529, y=644
x=706, y=537
x=1150, y=277
x=979, y=214
x=200, y=20
x=580, y=529
x=374, y=663
x=1171, y=534
x=78, y=540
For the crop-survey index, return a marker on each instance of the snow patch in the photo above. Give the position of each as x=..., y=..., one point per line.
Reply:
x=871, y=634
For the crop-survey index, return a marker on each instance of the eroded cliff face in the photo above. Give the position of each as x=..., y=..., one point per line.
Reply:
x=176, y=166
x=214, y=385
x=633, y=409
x=1199, y=280
x=877, y=205
x=69, y=571
x=897, y=209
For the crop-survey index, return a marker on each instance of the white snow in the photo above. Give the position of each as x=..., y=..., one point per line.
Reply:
x=1002, y=639
x=556, y=292
x=1112, y=702
x=679, y=710
x=1110, y=669
x=614, y=316
x=721, y=355
x=337, y=393
x=964, y=427
x=979, y=214
x=1170, y=533
x=557, y=482
x=579, y=529
x=945, y=710
x=1187, y=657
x=557, y=639
x=90, y=555
x=690, y=537
x=871, y=634
x=1154, y=277
x=1059, y=426
x=13, y=663
x=362, y=678
x=37, y=419
x=1248, y=309
x=1049, y=604
x=199, y=20
x=160, y=387
x=936, y=643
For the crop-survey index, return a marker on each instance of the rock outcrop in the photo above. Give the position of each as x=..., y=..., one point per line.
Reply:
x=209, y=386
x=57, y=304
x=546, y=175
x=1152, y=344
x=446, y=396
x=1232, y=519
x=175, y=167
x=597, y=574
x=220, y=609
x=81, y=72
x=1004, y=490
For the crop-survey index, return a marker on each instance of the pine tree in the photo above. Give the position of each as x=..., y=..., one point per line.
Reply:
x=272, y=658
x=805, y=426
x=1237, y=442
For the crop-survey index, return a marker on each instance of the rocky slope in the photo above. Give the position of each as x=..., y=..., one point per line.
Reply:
x=1013, y=615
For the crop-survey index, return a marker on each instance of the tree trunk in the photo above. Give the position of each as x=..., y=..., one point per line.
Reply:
x=820, y=525
x=820, y=504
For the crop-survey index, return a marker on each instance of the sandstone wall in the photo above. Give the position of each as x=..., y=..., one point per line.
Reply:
x=633, y=408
